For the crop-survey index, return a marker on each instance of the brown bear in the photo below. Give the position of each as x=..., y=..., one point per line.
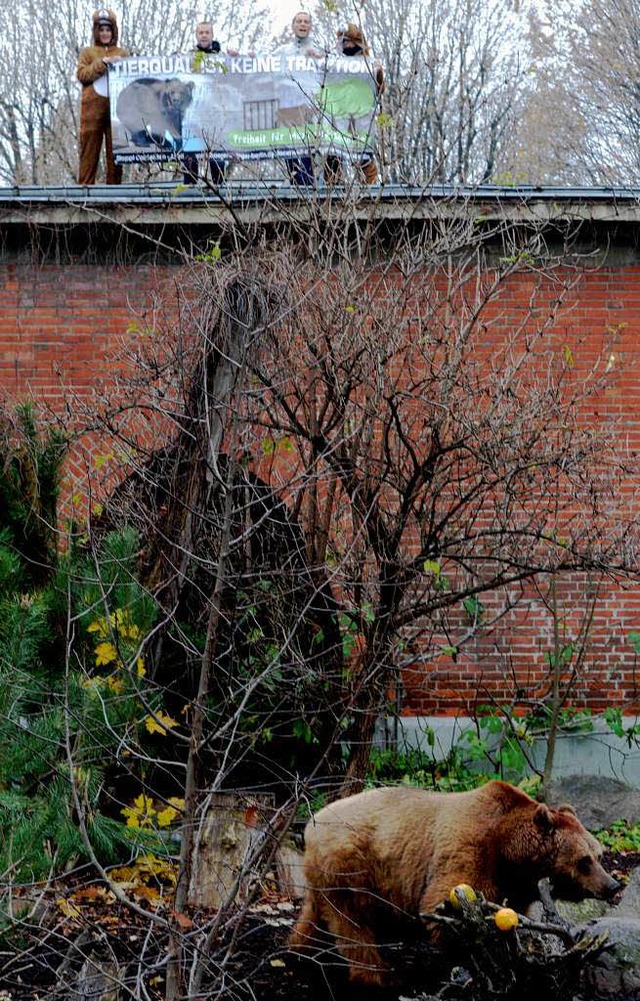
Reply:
x=398, y=851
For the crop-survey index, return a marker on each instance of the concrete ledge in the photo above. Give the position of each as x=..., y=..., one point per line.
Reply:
x=170, y=220
x=239, y=201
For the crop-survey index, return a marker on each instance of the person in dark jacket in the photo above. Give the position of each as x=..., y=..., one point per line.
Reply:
x=95, y=115
x=205, y=42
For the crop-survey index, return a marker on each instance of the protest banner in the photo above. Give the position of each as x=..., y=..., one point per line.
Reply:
x=245, y=107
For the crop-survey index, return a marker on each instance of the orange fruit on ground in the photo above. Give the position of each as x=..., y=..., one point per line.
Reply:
x=506, y=919
x=465, y=889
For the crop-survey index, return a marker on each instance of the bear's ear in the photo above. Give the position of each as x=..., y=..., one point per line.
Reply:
x=543, y=818
x=566, y=808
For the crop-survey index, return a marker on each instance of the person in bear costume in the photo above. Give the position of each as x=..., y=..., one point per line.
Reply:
x=351, y=42
x=95, y=115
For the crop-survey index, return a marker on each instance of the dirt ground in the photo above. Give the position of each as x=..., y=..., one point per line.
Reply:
x=259, y=968
x=418, y=970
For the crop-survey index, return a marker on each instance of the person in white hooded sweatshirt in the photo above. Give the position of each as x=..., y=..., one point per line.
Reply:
x=300, y=168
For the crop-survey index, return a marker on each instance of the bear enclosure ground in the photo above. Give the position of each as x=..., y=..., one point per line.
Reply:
x=259, y=968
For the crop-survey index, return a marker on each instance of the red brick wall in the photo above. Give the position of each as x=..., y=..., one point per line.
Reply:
x=59, y=324
x=510, y=663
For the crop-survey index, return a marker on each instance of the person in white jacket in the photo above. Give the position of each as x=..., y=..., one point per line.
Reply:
x=300, y=168
x=302, y=43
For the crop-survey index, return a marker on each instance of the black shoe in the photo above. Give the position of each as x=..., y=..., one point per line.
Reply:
x=190, y=167
x=217, y=170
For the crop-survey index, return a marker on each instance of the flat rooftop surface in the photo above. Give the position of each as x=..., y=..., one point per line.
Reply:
x=162, y=202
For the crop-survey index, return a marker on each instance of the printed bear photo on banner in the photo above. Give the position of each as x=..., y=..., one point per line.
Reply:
x=249, y=107
x=152, y=111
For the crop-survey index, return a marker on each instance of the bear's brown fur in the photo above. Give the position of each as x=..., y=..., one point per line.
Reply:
x=405, y=848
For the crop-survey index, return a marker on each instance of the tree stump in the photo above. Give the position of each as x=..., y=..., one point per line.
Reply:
x=234, y=835
x=289, y=862
x=98, y=981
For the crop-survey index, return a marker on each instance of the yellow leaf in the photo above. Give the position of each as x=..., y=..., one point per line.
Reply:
x=124, y=874
x=105, y=653
x=156, y=866
x=98, y=626
x=431, y=566
x=68, y=908
x=171, y=812
x=144, y=803
x=277, y=962
x=142, y=812
x=167, y=816
x=121, y=622
x=160, y=723
x=140, y=668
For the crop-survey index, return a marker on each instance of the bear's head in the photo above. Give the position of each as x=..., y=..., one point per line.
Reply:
x=177, y=95
x=554, y=843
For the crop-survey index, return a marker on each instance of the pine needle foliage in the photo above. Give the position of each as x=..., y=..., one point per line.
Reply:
x=67, y=718
x=30, y=477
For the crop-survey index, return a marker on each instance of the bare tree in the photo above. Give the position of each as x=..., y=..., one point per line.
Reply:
x=453, y=84
x=345, y=444
x=581, y=123
x=35, y=86
x=410, y=445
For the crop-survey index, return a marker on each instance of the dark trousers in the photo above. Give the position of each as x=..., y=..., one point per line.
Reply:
x=190, y=166
x=366, y=170
x=300, y=170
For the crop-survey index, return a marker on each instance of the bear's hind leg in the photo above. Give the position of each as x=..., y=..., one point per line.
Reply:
x=342, y=913
x=305, y=930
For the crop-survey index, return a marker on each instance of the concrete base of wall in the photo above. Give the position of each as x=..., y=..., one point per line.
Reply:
x=596, y=753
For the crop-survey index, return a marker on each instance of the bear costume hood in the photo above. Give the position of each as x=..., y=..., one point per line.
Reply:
x=104, y=16
x=352, y=41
